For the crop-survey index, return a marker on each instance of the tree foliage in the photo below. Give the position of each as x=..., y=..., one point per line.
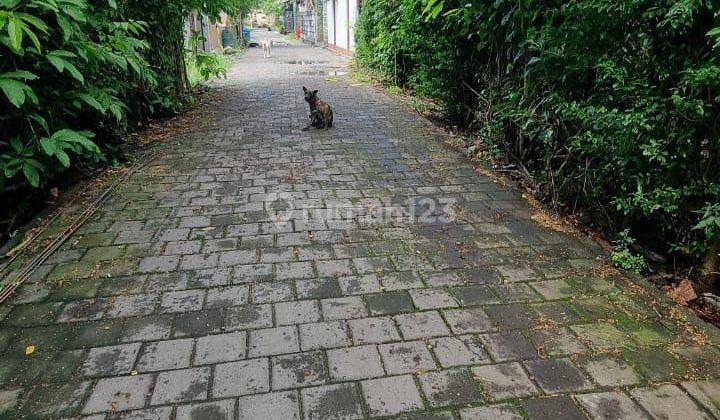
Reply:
x=612, y=106
x=75, y=75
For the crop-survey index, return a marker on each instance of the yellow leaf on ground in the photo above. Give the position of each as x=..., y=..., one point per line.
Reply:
x=29, y=350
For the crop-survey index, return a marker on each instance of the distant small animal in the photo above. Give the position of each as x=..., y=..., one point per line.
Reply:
x=267, y=48
x=321, y=115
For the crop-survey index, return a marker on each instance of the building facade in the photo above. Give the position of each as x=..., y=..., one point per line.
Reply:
x=309, y=17
x=211, y=31
x=341, y=18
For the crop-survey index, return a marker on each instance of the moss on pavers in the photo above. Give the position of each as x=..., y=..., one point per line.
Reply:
x=603, y=336
x=657, y=364
x=76, y=289
x=33, y=314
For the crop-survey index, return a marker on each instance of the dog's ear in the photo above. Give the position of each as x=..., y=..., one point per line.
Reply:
x=304, y=89
x=315, y=92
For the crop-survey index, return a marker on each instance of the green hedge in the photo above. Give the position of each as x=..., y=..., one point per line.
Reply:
x=77, y=75
x=611, y=105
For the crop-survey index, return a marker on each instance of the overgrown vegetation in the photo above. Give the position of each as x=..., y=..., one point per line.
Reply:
x=610, y=107
x=76, y=76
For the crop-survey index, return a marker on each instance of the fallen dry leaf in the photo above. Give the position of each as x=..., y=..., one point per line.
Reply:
x=29, y=350
x=683, y=292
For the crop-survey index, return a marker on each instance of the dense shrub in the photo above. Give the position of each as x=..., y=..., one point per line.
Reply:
x=611, y=105
x=76, y=76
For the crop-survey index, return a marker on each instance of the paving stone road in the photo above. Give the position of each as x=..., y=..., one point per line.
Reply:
x=257, y=271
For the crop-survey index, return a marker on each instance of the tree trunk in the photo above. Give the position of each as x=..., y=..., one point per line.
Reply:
x=711, y=266
x=181, y=77
x=241, y=38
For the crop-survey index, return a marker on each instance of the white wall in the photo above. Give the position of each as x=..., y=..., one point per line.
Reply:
x=341, y=22
x=330, y=27
x=353, y=19
x=340, y=29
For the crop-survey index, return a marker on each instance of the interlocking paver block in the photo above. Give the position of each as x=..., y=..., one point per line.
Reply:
x=421, y=325
x=508, y=346
x=457, y=351
x=449, y=388
x=198, y=323
x=553, y=408
x=238, y=257
x=298, y=370
x=216, y=410
x=667, y=401
x=147, y=329
x=343, y=308
x=503, y=381
x=359, y=285
x=53, y=400
x=119, y=394
x=133, y=305
x=220, y=348
x=84, y=310
x=432, y=299
x=373, y=330
x=611, y=405
x=297, y=312
x=272, y=292
x=334, y=268
x=241, y=378
x=294, y=270
x=406, y=357
x=110, y=360
x=355, y=363
x=463, y=321
x=389, y=303
x=491, y=412
x=165, y=355
x=475, y=295
x=223, y=297
x=273, y=341
x=706, y=393
x=182, y=301
x=318, y=288
x=557, y=342
x=610, y=372
x=391, y=396
x=324, y=335
x=181, y=385
x=557, y=375
x=199, y=261
x=159, y=264
x=341, y=401
x=251, y=316
x=275, y=405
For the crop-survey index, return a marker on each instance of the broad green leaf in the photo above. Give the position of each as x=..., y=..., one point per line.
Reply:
x=19, y=74
x=40, y=120
x=74, y=72
x=63, y=157
x=9, y=4
x=15, y=32
x=48, y=145
x=14, y=91
x=16, y=145
x=57, y=62
x=90, y=100
x=32, y=175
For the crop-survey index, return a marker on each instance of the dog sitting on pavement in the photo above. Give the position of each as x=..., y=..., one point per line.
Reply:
x=321, y=115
